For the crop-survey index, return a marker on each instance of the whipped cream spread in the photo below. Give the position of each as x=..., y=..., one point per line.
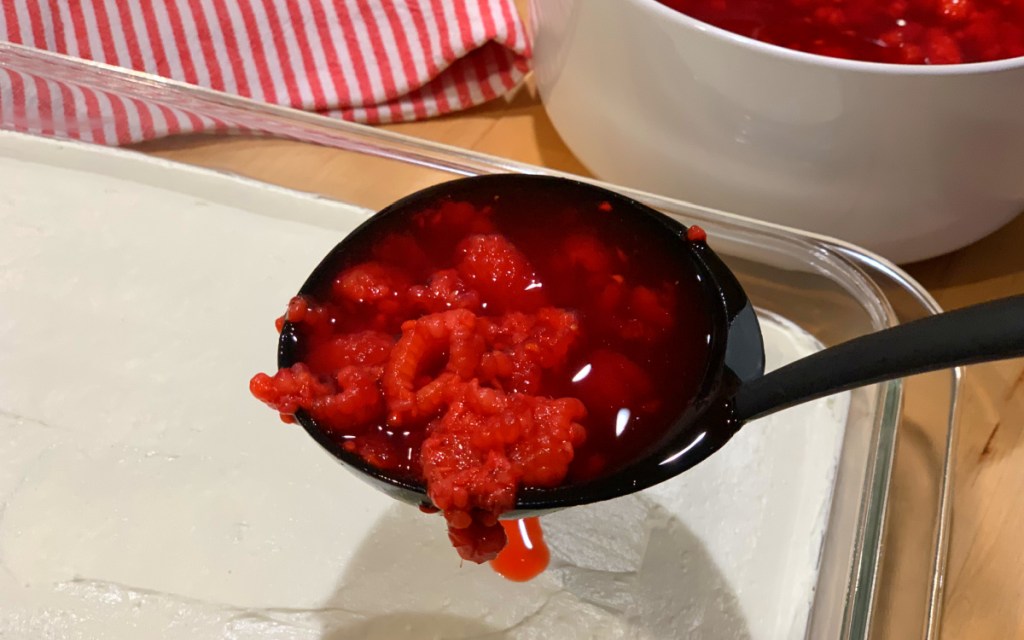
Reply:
x=144, y=493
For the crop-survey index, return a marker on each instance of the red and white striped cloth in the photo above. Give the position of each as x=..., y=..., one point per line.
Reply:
x=365, y=60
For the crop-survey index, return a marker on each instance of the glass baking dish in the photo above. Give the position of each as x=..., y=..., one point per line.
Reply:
x=882, y=563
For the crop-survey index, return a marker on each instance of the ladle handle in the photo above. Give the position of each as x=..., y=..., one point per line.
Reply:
x=979, y=333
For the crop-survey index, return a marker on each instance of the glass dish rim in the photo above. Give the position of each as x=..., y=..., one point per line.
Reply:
x=854, y=261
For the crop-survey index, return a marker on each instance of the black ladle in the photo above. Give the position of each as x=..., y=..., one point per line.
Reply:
x=735, y=391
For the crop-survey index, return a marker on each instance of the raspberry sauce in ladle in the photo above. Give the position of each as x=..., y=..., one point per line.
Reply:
x=629, y=327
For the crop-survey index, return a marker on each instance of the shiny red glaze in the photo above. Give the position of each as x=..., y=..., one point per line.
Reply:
x=891, y=31
x=478, y=352
x=526, y=555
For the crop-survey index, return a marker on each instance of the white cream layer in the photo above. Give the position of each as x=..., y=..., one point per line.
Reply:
x=144, y=493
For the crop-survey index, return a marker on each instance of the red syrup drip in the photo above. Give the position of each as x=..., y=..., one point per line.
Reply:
x=526, y=555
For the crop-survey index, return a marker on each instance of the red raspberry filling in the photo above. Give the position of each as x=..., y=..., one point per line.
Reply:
x=892, y=31
x=472, y=354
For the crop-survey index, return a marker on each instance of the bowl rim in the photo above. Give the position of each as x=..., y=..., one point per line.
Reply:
x=666, y=13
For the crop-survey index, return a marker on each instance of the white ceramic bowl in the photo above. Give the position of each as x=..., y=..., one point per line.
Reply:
x=909, y=161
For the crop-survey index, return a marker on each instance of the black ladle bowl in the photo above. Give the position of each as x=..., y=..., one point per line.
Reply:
x=735, y=388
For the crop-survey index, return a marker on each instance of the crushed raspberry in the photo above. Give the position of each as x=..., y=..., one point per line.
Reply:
x=297, y=308
x=525, y=346
x=315, y=319
x=478, y=356
x=441, y=228
x=444, y=290
x=489, y=443
x=290, y=389
x=892, y=31
x=647, y=313
x=586, y=262
x=588, y=254
x=355, y=403
x=478, y=542
x=350, y=399
x=371, y=283
x=454, y=219
x=361, y=348
x=500, y=272
x=374, y=291
x=405, y=252
x=615, y=381
x=451, y=336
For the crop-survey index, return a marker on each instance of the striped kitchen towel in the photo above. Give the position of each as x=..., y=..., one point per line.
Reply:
x=370, y=61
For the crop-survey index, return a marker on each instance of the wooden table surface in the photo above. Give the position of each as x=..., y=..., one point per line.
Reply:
x=985, y=578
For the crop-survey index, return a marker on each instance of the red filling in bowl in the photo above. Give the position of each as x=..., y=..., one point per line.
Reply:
x=893, y=31
x=478, y=351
